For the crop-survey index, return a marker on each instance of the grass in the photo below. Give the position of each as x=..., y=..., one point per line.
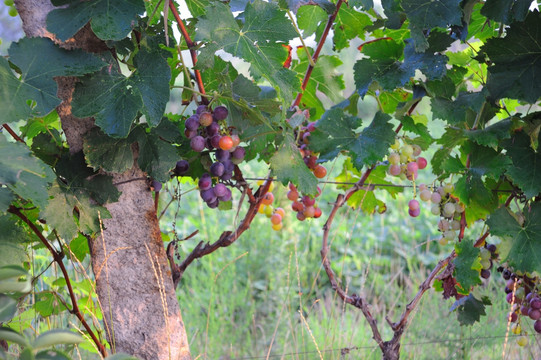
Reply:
x=267, y=294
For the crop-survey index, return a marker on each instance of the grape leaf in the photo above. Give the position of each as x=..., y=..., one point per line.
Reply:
x=110, y=154
x=39, y=60
x=457, y=111
x=335, y=132
x=259, y=42
x=114, y=100
x=526, y=168
x=408, y=124
x=79, y=247
x=505, y=11
x=197, y=7
x=288, y=166
x=309, y=18
x=70, y=210
x=294, y=5
x=516, y=60
x=110, y=20
x=491, y=135
x=156, y=156
x=523, y=242
x=6, y=197
x=11, y=248
x=467, y=266
x=349, y=24
x=428, y=14
x=469, y=309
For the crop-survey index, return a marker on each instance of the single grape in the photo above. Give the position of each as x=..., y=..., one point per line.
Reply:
x=308, y=201
x=213, y=129
x=205, y=182
x=214, y=204
x=300, y=216
x=227, y=195
x=425, y=195
x=422, y=187
x=512, y=317
x=395, y=170
x=269, y=210
x=443, y=225
x=217, y=169
x=155, y=185
x=537, y=326
x=414, y=213
x=422, y=163
x=509, y=298
x=200, y=109
x=416, y=150
x=297, y=206
x=277, y=227
x=455, y=225
x=443, y=241
x=192, y=123
x=486, y=264
x=309, y=211
x=506, y=274
x=276, y=219
x=396, y=145
x=208, y=195
x=535, y=303
x=229, y=166
x=311, y=162
x=215, y=141
x=8, y=2
x=239, y=153
x=280, y=212
x=220, y=112
x=460, y=208
x=449, y=235
x=407, y=150
x=448, y=188
x=435, y=209
x=268, y=198
x=491, y=247
x=292, y=195
x=226, y=142
x=292, y=187
x=522, y=340
x=435, y=198
x=236, y=140
x=222, y=155
x=534, y=314
x=181, y=167
x=413, y=204
x=412, y=167
x=205, y=119
x=220, y=190
x=317, y=213
x=320, y=171
x=227, y=175
x=12, y=11
x=484, y=254
x=311, y=127
x=485, y=274
x=198, y=143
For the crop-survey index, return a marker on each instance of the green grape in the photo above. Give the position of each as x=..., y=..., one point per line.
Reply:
x=522, y=340
x=448, y=209
x=407, y=150
x=485, y=264
x=449, y=235
x=12, y=11
x=425, y=195
x=455, y=225
x=435, y=209
x=396, y=145
x=8, y=2
x=443, y=241
x=448, y=188
x=394, y=159
x=484, y=254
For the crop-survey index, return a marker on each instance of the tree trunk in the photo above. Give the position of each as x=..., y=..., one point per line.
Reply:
x=133, y=278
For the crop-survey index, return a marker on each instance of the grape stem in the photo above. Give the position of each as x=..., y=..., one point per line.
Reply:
x=227, y=237
x=191, y=46
x=12, y=133
x=57, y=257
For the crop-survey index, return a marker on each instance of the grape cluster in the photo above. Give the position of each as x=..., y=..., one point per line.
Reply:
x=304, y=205
x=526, y=301
x=310, y=158
x=487, y=254
x=405, y=161
x=208, y=129
x=274, y=214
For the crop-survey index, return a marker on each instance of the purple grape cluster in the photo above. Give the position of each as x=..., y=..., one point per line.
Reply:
x=207, y=129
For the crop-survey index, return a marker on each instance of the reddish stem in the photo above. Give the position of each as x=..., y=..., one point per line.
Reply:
x=320, y=44
x=191, y=46
x=57, y=257
x=12, y=133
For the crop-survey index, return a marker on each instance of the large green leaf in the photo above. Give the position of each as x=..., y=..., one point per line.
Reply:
x=259, y=41
x=515, y=70
x=109, y=19
x=469, y=309
x=105, y=152
x=505, y=11
x=114, y=100
x=467, y=266
x=335, y=132
x=521, y=241
x=526, y=168
x=39, y=60
x=288, y=166
x=156, y=156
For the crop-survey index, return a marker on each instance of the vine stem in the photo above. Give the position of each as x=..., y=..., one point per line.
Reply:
x=191, y=46
x=314, y=57
x=12, y=133
x=57, y=257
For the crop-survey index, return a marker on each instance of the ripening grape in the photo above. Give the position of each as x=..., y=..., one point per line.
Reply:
x=226, y=142
x=435, y=209
x=236, y=140
x=443, y=241
x=12, y=11
x=460, y=208
x=421, y=162
x=436, y=199
x=414, y=213
x=320, y=171
x=522, y=340
x=394, y=159
x=443, y=225
x=455, y=225
x=425, y=195
x=280, y=212
x=268, y=198
x=448, y=188
x=297, y=206
x=198, y=143
x=317, y=213
x=205, y=119
x=277, y=227
x=449, y=235
x=269, y=210
x=309, y=211
x=308, y=201
x=395, y=170
x=412, y=167
x=227, y=195
x=413, y=204
x=416, y=150
x=300, y=216
x=276, y=219
x=407, y=150
x=292, y=195
x=396, y=145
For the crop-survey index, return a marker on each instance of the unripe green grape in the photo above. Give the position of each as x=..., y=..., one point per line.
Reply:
x=394, y=159
x=448, y=188
x=12, y=11
x=485, y=264
x=459, y=208
x=407, y=150
x=443, y=241
x=403, y=158
x=448, y=209
x=484, y=254
x=435, y=209
x=449, y=235
x=425, y=195
x=522, y=340
x=455, y=225
x=403, y=176
x=396, y=145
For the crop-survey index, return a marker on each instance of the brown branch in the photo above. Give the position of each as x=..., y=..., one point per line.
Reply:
x=57, y=256
x=227, y=237
x=12, y=133
x=320, y=44
x=191, y=46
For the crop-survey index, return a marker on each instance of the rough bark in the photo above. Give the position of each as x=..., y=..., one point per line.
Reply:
x=133, y=280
